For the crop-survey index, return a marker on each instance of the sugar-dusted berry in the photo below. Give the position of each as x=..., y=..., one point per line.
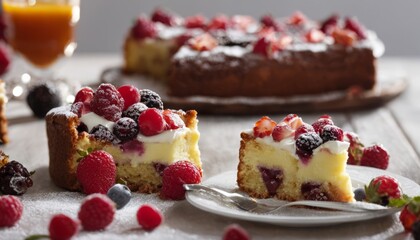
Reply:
x=173, y=120
x=15, y=179
x=125, y=129
x=11, y=209
x=102, y=133
x=107, y=102
x=151, y=99
x=375, y=156
x=304, y=128
x=175, y=176
x=203, y=42
x=320, y=123
x=306, y=143
x=331, y=133
x=264, y=127
x=134, y=111
x=96, y=212
x=282, y=131
x=314, y=36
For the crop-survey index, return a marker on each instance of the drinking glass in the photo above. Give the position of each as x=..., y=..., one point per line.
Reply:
x=40, y=33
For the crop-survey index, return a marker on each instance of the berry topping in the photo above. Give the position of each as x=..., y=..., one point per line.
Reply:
x=331, y=133
x=43, y=98
x=149, y=217
x=282, y=131
x=235, y=232
x=270, y=22
x=14, y=179
x=219, y=22
x=314, y=36
x=96, y=172
x=173, y=120
x=355, y=26
x=203, y=42
x=293, y=120
x=107, y=102
x=125, y=129
x=375, y=156
x=272, y=178
x=264, y=46
x=298, y=18
x=197, y=21
x=151, y=99
x=182, y=39
x=143, y=28
x=355, y=149
x=415, y=230
x=359, y=194
x=320, y=123
x=11, y=209
x=151, y=122
x=305, y=128
x=241, y=22
x=313, y=191
x=130, y=94
x=175, y=176
x=100, y=132
x=134, y=111
x=381, y=189
x=329, y=24
x=62, y=227
x=82, y=101
x=306, y=143
x=97, y=212
x=264, y=127
x=164, y=17
x=120, y=195
x=4, y=58
x=289, y=117
x=343, y=37
x=133, y=146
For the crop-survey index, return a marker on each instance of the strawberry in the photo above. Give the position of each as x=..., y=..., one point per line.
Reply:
x=293, y=120
x=203, y=42
x=298, y=18
x=314, y=36
x=96, y=172
x=375, y=156
x=173, y=120
x=282, y=131
x=329, y=24
x=264, y=46
x=62, y=227
x=354, y=25
x=269, y=22
x=11, y=209
x=264, y=127
x=96, y=212
x=381, y=189
x=344, y=37
x=235, y=232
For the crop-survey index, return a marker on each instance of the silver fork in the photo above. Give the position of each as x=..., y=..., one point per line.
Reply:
x=252, y=205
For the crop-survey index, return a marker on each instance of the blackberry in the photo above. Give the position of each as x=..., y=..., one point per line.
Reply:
x=331, y=133
x=134, y=111
x=306, y=143
x=151, y=99
x=415, y=230
x=82, y=128
x=14, y=179
x=125, y=129
x=360, y=194
x=43, y=98
x=100, y=132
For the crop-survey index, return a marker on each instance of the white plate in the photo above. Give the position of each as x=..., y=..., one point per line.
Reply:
x=297, y=217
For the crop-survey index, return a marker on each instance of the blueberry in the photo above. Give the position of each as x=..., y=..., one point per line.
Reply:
x=120, y=194
x=359, y=194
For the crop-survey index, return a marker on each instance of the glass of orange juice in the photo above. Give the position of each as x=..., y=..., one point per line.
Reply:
x=40, y=32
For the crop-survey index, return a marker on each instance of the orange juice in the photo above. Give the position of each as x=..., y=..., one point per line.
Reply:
x=40, y=32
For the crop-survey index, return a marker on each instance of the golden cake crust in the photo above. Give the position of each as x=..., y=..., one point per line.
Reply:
x=4, y=138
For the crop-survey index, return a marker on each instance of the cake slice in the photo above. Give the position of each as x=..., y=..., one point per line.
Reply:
x=3, y=120
x=293, y=160
x=142, y=138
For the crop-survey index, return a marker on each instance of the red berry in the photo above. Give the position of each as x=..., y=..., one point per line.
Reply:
x=293, y=120
x=143, y=28
x=320, y=123
x=11, y=209
x=4, y=59
x=241, y=22
x=355, y=26
x=130, y=94
x=282, y=131
x=375, y=156
x=96, y=172
x=297, y=18
x=331, y=133
x=329, y=24
x=107, y=102
x=407, y=218
x=197, y=21
x=269, y=21
x=265, y=46
x=183, y=38
x=151, y=122
x=173, y=120
x=314, y=36
x=97, y=212
x=175, y=176
x=219, y=22
x=84, y=95
x=235, y=232
x=203, y=42
x=381, y=188
x=63, y=227
x=264, y=127
x=355, y=149
x=343, y=37
x=305, y=128
x=149, y=217
x=163, y=17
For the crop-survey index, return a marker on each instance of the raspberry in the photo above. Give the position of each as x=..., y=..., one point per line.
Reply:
x=381, y=188
x=149, y=217
x=84, y=95
x=203, y=42
x=305, y=128
x=415, y=230
x=306, y=143
x=97, y=212
x=143, y=28
x=173, y=120
x=269, y=21
x=289, y=117
x=320, y=123
x=220, y=22
x=4, y=59
x=11, y=209
x=62, y=227
x=151, y=99
x=375, y=156
x=120, y=195
x=343, y=37
x=314, y=36
x=134, y=111
x=130, y=94
x=96, y=172
x=264, y=127
x=151, y=122
x=163, y=17
x=14, y=179
x=175, y=176
x=125, y=129
x=355, y=26
x=282, y=131
x=102, y=133
x=331, y=133
x=197, y=21
x=329, y=24
x=235, y=232
x=43, y=98
x=297, y=18
x=107, y=102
